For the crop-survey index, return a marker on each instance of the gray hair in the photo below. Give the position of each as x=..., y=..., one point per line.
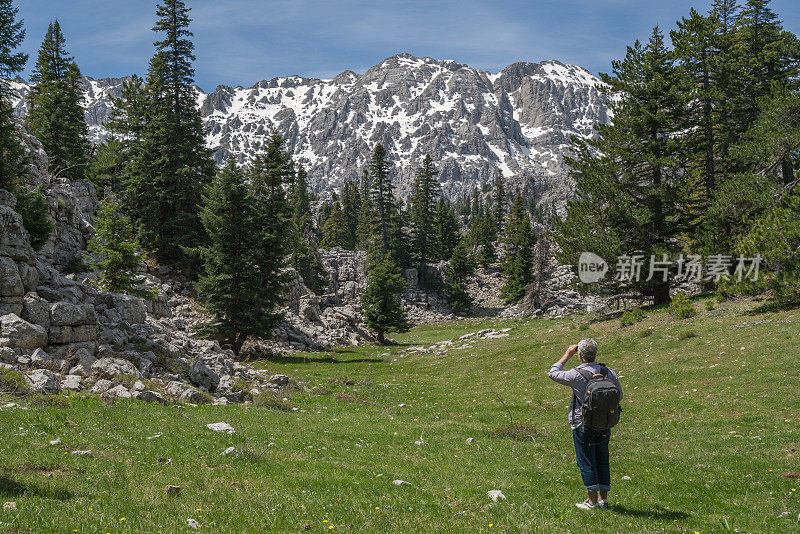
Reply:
x=588, y=349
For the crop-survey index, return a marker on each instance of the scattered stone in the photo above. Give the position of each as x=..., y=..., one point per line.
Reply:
x=626, y=477
x=201, y=375
x=399, y=482
x=496, y=495
x=151, y=396
x=71, y=383
x=221, y=427
x=118, y=392
x=101, y=386
x=470, y=441
x=229, y=450
x=111, y=367
x=55, y=441
x=82, y=453
x=192, y=524
x=10, y=505
x=280, y=380
x=172, y=491
x=401, y=405
x=42, y=381
x=16, y=332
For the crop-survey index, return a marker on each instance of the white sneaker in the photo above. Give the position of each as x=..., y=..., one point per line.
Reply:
x=586, y=505
x=602, y=503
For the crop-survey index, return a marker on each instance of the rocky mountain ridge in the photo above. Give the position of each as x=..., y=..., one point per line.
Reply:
x=472, y=122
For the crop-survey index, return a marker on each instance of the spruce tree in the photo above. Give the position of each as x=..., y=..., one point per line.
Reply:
x=518, y=264
x=387, y=225
x=380, y=303
x=170, y=162
x=460, y=268
x=12, y=33
x=632, y=196
x=335, y=232
x=351, y=209
x=305, y=255
x=446, y=230
x=32, y=206
x=117, y=250
x=55, y=113
x=482, y=236
x=107, y=165
x=499, y=208
x=241, y=269
x=423, y=212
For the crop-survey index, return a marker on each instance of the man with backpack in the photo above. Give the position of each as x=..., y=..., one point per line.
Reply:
x=593, y=410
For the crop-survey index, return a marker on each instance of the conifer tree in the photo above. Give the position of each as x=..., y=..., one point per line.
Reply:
x=170, y=161
x=518, y=264
x=12, y=33
x=388, y=236
x=244, y=281
x=483, y=235
x=351, y=209
x=305, y=255
x=423, y=211
x=499, y=208
x=461, y=267
x=55, y=114
x=117, y=249
x=632, y=196
x=446, y=230
x=107, y=165
x=381, y=305
x=32, y=206
x=335, y=232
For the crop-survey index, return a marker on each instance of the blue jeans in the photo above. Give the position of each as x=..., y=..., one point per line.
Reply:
x=591, y=451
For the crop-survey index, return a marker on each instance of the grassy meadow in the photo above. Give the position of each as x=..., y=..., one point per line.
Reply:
x=709, y=440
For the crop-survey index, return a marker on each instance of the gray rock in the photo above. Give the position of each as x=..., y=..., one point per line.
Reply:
x=36, y=310
x=65, y=334
x=101, y=386
x=84, y=360
x=20, y=333
x=201, y=375
x=279, y=380
x=132, y=310
x=151, y=396
x=195, y=396
x=43, y=381
x=111, y=367
x=71, y=383
x=68, y=314
x=117, y=392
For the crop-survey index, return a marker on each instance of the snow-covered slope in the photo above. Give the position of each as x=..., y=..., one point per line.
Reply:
x=472, y=122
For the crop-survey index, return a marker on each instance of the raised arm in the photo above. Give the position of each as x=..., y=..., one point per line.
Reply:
x=557, y=372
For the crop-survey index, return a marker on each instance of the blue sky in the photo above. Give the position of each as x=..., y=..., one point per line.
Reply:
x=239, y=42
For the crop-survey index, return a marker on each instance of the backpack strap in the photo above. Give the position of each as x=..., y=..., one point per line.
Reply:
x=585, y=373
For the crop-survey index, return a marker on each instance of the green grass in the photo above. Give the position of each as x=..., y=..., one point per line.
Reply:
x=709, y=439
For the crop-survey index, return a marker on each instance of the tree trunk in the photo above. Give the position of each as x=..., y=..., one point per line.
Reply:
x=661, y=294
x=381, y=337
x=239, y=340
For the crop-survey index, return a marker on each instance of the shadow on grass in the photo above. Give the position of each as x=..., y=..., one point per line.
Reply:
x=13, y=488
x=772, y=306
x=301, y=359
x=657, y=513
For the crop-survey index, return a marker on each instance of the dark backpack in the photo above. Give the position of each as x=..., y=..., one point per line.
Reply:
x=600, y=408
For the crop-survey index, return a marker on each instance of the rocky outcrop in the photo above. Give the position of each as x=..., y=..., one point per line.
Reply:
x=471, y=121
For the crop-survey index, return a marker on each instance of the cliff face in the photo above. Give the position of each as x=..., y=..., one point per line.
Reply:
x=470, y=121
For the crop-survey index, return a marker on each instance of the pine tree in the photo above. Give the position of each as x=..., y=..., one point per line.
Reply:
x=170, y=162
x=351, y=209
x=518, y=264
x=244, y=281
x=107, y=165
x=381, y=305
x=387, y=225
x=423, y=212
x=32, y=206
x=12, y=33
x=482, y=236
x=335, y=232
x=55, y=114
x=632, y=196
x=305, y=255
x=117, y=249
x=460, y=268
x=499, y=208
x=446, y=231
